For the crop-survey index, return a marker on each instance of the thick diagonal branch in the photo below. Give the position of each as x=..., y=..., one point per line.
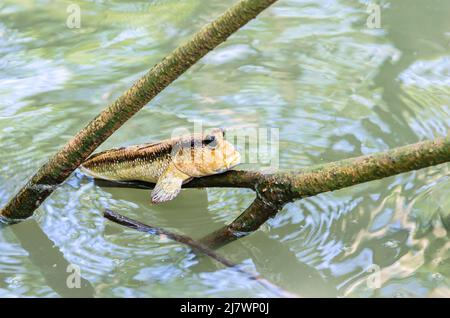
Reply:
x=76, y=150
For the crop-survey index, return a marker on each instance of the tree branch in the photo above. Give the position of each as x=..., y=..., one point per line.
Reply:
x=76, y=150
x=274, y=190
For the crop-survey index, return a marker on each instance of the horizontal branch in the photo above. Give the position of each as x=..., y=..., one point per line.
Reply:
x=285, y=186
x=229, y=179
x=274, y=190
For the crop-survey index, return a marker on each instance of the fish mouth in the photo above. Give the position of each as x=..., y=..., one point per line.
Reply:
x=230, y=163
x=235, y=160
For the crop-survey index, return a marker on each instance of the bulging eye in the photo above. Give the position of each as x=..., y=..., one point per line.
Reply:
x=210, y=141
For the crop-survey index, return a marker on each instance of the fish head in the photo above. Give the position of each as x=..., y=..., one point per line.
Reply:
x=205, y=154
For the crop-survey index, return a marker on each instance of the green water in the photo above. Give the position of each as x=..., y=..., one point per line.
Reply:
x=334, y=88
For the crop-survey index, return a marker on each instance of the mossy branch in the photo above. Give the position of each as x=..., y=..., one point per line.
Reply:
x=76, y=150
x=274, y=190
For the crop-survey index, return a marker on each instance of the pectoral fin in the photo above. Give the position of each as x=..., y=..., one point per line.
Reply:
x=169, y=184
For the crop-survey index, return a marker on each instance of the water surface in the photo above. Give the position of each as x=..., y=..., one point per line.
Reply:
x=313, y=69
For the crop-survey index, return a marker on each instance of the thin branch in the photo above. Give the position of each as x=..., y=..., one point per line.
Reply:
x=195, y=246
x=77, y=149
x=141, y=227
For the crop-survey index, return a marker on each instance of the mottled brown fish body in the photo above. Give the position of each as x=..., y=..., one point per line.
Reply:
x=168, y=163
x=142, y=162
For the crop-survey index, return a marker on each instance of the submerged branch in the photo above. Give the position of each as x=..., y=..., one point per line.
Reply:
x=141, y=227
x=276, y=189
x=195, y=246
x=77, y=149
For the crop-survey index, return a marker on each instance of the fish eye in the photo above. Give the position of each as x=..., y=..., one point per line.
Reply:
x=210, y=141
